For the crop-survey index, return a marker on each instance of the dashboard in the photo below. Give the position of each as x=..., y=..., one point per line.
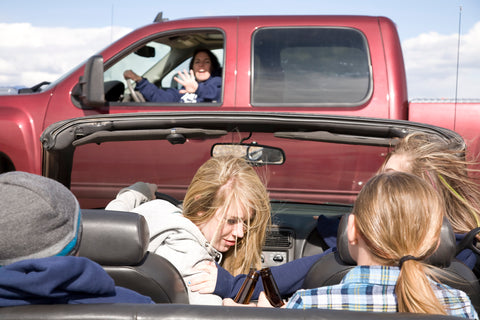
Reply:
x=293, y=233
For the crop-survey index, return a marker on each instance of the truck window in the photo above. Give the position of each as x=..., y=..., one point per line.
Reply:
x=310, y=67
x=159, y=60
x=137, y=61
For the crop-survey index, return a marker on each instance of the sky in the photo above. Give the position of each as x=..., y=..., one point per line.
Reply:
x=41, y=40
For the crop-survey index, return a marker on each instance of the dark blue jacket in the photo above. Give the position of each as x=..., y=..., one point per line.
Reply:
x=467, y=256
x=61, y=280
x=208, y=91
x=289, y=278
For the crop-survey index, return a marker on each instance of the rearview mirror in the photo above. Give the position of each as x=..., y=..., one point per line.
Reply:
x=255, y=154
x=146, y=52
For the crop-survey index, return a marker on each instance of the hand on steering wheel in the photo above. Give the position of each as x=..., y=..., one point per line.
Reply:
x=131, y=76
x=134, y=95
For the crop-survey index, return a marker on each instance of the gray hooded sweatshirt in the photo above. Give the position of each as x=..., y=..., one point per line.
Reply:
x=172, y=236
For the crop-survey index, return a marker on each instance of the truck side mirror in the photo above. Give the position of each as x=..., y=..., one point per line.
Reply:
x=90, y=85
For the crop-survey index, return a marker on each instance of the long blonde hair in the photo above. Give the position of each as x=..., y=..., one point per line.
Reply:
x=230, y=183
x=443, y=165
x=398, y=214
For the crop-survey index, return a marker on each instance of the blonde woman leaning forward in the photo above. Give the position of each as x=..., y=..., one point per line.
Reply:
x=395, y=225
x=225, y=213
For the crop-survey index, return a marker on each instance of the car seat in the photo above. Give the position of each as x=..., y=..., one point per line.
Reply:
x=332, y=267
x=118, y=241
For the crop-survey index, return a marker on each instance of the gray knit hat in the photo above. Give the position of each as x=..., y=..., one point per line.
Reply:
x=39, y=217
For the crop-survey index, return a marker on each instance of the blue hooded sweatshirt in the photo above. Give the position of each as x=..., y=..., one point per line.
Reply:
x=61, y=280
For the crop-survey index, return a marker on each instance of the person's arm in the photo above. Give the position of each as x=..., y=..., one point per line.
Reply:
x=154, y=94
x=213, y=278
x=178, y=240
x=327, y=228
x=289, y=278
x=150, y=91
x=185, y=261
x=467, y=256
x=210, y=90
x=262, y=302
x=131, y=197
x=296, y=301
x=129, y=74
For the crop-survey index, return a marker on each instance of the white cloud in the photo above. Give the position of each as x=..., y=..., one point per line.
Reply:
x=29, y=54
x=431, y=63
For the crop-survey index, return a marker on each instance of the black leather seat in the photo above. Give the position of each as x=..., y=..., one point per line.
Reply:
x=118, y=241
x=331, y=268
x=189, y=312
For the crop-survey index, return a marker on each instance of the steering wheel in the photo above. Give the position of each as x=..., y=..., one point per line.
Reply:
x=135, y=96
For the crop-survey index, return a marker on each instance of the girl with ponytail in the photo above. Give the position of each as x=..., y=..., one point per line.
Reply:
x=395, y=226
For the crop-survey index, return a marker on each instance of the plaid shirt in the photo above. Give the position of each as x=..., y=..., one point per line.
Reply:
x=372, y=288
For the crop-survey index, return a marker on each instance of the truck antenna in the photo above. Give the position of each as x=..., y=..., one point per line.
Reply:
x=458, y=53
x=111, y=24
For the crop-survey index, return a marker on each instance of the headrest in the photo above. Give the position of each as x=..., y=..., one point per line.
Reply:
x=442, y=257
x=114, y=238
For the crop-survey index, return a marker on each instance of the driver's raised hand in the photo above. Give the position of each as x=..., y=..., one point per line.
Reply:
x=188, y=81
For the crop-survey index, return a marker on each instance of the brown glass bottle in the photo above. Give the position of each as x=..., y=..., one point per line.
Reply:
x=245, y=293
x=271, y=289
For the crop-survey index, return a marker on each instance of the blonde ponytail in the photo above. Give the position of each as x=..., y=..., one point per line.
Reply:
x=414, y=292
x=399, y=216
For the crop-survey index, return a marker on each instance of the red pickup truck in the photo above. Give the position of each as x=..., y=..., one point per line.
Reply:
x=337, y=65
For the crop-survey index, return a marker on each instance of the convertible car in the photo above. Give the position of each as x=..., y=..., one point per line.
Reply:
x=312, y=165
